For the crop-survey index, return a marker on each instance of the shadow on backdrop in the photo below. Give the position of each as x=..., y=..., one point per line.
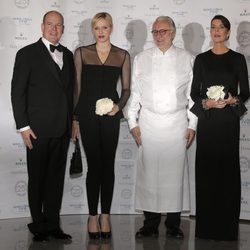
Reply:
x=243, y=39
x=85, y=36
x=136, y=35
x=193, y=37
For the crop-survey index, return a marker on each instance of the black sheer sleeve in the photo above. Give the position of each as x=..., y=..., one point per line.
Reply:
x=78, y=74
x=125, y=81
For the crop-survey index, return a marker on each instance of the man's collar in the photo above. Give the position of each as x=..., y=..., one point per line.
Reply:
x=47, y=43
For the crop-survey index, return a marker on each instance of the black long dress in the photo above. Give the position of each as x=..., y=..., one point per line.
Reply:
x=218, y=187
x=99, y=134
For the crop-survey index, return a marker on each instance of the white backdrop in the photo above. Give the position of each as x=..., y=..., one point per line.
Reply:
x=20, y=25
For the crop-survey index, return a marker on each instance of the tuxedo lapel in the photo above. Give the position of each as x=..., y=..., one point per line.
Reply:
x=48, y=60
x=65, y=67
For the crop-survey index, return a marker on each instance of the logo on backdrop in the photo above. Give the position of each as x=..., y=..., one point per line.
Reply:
x=21, y=37
x=129, y=7
x=244, y=201
x=20, y=162
x=104, y=4
x=126, y=178
x=22, y=4
x=76, y=191
x=126, y=166
x=179, y=13
x=19, y=146
x=245, y=121
x=23, y=209
x=244, y=138
x=127, y=153
x=244, y=148
x=212, y=11
x=79, y=12
x=79, y=1
x=104, y=1
x=244, y=164
x=22, y=20
x=55, y=4
x=245, y=13
x=179, y=2
x=153, y=11
x=126, y=194
x=154, y=7
x=245, y=184
x=21, y=188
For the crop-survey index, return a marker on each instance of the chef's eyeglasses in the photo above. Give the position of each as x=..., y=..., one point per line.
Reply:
x=162, y=32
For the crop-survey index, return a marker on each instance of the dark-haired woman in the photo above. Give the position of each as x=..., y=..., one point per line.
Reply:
x=218, y=184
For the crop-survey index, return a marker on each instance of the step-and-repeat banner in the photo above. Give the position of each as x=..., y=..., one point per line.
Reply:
x=20, y=22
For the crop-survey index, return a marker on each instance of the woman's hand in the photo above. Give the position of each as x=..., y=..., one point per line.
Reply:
x=231, y=100
x=114, y=110
x=75, y=130
x=220, y=104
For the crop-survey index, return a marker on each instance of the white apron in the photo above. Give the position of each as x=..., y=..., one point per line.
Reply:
x=161, y=161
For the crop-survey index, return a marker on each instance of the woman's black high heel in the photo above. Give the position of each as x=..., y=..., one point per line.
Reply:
x=93, y=235
x=104, y=235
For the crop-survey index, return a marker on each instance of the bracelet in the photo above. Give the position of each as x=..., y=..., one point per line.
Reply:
x=204, y=104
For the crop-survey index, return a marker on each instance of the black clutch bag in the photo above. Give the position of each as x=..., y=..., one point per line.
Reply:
x=75, y=169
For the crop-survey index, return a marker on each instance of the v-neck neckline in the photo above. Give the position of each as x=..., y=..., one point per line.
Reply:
x=103, y=62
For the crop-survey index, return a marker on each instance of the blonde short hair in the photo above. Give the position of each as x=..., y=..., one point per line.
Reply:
x=102, y=15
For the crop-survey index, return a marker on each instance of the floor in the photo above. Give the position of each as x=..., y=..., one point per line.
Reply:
x=14, y=235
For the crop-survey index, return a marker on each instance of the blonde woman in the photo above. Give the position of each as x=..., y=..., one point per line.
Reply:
x=98, y=68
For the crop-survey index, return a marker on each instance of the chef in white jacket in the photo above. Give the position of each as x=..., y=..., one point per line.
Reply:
x=163, y=127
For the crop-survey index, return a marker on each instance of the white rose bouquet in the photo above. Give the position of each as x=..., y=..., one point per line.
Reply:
x=103, y=106
x=216, y=92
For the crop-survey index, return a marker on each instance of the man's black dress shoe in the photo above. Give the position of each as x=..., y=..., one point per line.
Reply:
x=40, y=237
x=144, y=232
x=175, y=232
x=59, y=234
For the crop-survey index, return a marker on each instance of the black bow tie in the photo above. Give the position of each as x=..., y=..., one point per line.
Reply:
x=53, y=47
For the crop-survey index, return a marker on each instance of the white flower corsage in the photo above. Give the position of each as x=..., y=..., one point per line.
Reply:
x=103, y=106
x=216, y=92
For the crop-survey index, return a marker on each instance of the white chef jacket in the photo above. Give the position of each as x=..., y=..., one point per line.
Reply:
x=160, y=96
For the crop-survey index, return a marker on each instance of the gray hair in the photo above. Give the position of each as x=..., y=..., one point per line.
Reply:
x=166, y=19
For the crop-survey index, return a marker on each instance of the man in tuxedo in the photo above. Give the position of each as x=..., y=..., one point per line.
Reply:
x=42, y=100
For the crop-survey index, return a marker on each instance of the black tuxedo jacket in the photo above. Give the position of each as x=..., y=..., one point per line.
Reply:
x=41, y=93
